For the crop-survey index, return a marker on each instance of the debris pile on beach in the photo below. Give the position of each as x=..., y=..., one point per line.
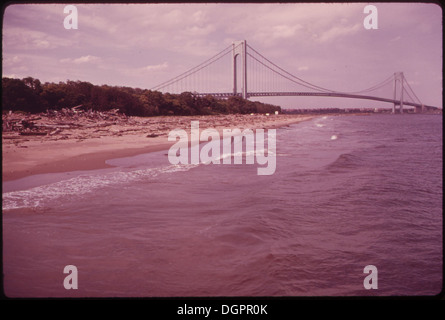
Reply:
x=81, y=124
x=53, y=122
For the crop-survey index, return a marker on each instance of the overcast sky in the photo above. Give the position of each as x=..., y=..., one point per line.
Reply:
x=142, y=45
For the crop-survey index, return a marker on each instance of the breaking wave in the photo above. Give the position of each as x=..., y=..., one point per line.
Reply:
x=81, y=185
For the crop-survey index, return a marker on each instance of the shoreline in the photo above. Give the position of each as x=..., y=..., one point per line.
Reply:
x=27, y=156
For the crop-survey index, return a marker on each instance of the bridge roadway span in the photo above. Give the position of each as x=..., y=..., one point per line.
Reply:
x=318, y=94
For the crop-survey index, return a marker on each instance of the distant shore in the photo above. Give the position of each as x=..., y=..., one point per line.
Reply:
x=87, y=147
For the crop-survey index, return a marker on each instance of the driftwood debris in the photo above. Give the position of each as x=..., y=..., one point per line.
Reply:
x=52, y=122
x=153, y=135
x=33, y=133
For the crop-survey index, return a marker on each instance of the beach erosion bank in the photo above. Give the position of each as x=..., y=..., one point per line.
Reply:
x=87, y=145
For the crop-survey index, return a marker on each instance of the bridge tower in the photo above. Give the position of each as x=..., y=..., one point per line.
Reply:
x=398, y=83
x=239, y=49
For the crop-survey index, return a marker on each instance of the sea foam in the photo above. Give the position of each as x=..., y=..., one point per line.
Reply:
x=80, y=185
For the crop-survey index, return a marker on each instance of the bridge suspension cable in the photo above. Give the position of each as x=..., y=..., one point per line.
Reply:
x=411, y=90
x=194, y=70
x=389, y=80
x=289, y=76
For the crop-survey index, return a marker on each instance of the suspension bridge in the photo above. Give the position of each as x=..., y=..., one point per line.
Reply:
x=240, y=70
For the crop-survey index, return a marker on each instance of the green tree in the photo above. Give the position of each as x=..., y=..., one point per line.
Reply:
x=16, y=95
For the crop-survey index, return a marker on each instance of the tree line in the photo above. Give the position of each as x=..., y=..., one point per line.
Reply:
x=30, y=95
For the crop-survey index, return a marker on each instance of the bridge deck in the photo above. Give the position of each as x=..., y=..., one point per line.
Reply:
x=318, y=94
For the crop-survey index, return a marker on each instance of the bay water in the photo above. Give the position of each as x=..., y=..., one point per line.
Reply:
x=348, y=192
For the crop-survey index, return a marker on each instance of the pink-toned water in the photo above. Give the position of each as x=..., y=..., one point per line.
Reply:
x=372, y=196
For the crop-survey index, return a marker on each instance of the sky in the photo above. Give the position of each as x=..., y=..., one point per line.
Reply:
x=143, y=45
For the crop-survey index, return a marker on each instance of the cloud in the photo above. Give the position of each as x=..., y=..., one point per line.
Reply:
x=338, y=31
x=284, y=31
x=156, y=67
x=10, y=75
x=22, y=38
x=395, y=39
x=199, y=31
x=41, y=44
x=81, y=60
x=14, y=64
x=11, y=60
x=86, y=59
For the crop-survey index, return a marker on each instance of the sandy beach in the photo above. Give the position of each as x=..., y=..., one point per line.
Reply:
x=87, y=147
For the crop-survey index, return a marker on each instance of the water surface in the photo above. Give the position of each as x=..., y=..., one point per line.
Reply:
x=348, y=192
